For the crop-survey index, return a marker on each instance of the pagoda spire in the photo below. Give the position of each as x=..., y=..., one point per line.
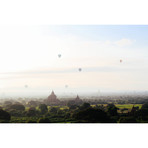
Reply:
x=77, y=98
x=52, y=93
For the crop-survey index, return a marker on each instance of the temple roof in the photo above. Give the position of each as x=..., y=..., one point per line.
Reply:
x=52, y=93
x=77, y=98
x=52, y=97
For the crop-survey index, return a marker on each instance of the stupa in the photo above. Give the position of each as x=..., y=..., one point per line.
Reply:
x=52, y=99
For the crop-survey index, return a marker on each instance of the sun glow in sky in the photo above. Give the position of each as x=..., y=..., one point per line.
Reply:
x=29, y=56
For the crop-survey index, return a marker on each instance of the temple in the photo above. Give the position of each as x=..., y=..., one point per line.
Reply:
x=52, y=99
x=78, y=100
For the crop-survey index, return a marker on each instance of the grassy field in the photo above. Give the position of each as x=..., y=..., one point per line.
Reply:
x=128, y=106
x=121, y=106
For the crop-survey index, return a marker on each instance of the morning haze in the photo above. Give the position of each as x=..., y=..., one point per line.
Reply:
x=85, y=58
x=74, y=74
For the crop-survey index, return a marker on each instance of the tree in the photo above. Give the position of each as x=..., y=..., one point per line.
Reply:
x=70, y=103
x=142, y=113
x=73, y=107
x=60, y=112
x=84, y=106
x=144, y=106
x=53, y=110
x=112, y=110
x=91, y=115
x=43, y=108
x=31, y=112
x=32, y=103
x=7, y=103
x=100, y=107
x=4, y=116
x=19, y=107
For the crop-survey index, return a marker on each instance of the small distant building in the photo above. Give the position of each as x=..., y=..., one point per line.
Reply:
x=52, y=99
x=77, y=100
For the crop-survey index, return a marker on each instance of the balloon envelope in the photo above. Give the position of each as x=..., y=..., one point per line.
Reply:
x=59, y=55
x=26, y=86
x=80, y=69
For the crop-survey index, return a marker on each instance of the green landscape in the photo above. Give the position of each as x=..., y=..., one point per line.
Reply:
x=126, y=109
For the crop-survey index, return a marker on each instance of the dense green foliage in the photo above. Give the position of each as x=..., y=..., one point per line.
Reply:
x=71, y=112
x=4, y=116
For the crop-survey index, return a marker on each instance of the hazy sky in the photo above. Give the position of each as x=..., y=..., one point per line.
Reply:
x=29, y=56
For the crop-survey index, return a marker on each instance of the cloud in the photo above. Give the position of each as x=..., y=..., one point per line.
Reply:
x=40, y=72
x=122, y=42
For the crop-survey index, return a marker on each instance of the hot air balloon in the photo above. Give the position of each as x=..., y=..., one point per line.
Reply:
x=80, y=69
x=26, y=86
x=120, y=61
x=59, y=55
